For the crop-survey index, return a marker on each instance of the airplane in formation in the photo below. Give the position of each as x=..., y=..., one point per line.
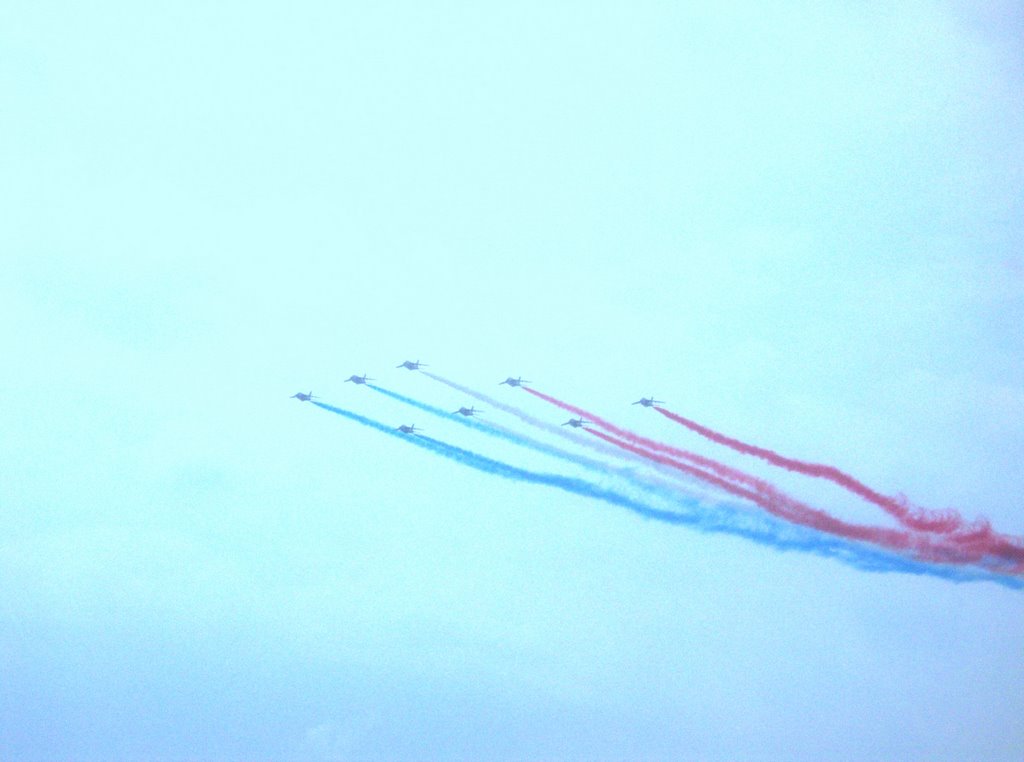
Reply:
x=514, y=381
x=648, y=402
x=408, y=429
x=359, y=379
x=576, y=423
x=302, y=397
x=412, y=365
x=467, y=411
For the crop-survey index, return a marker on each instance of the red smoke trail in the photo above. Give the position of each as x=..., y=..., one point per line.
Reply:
x=779, y=504
x=977, y=536
x=720, y=468
x=944, y=522
x=970, y=544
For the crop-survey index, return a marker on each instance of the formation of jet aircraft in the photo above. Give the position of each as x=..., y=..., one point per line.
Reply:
x=648, y=402
x=576, y=423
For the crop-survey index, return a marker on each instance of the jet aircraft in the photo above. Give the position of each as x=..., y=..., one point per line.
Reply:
x=408, y=429
x=514, y=381
x=575, y=423
x=301, y=397
x=358, y=379
x=648, y=401
x=412, y=365
x=467, y=411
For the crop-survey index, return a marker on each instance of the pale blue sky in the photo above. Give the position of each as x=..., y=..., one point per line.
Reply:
x=800, y=223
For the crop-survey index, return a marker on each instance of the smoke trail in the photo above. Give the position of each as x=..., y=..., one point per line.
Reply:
x=767, y=533
x=558, y=431
x=781, y=505
x=929, y=521
x=656, y=487
x=524, y=416
x=501, y=432
x=977, y=535
x=507, y=471
x=446, y=414
x=650, y=444
x=972, y=540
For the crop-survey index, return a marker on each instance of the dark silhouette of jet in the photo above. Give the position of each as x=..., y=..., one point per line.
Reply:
x=467, y=411
x=358, y=379
x=412, y=365
x=648, y=402
x=576, y=423
x=514, y=381
x=303, y=397
x=408, y=429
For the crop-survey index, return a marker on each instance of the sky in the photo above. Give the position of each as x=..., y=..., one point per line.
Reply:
x=797, y=223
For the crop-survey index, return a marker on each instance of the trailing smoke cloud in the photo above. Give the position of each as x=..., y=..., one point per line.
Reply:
x=929, y=521
x=977, y=536
x=956, y=543
x=569, y=435
x=691, y=512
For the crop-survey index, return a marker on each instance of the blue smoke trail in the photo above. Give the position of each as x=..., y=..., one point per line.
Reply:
x=770, y=533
